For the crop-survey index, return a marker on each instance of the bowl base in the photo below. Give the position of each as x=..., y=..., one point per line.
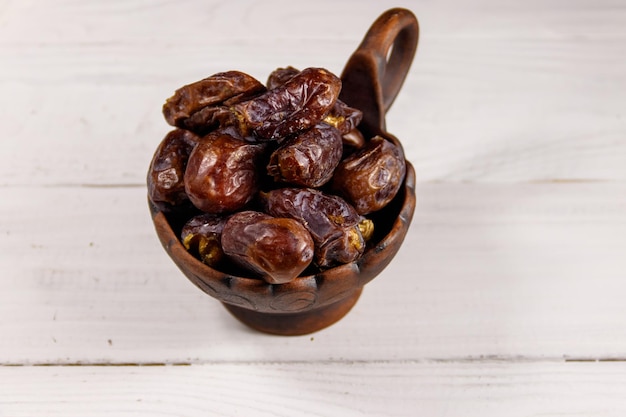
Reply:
x=295, y=324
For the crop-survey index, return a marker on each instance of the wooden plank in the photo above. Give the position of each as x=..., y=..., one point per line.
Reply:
x=179, y=22
x=500, y=91
x=530, y=270
x=318, y=389
x=506, y=299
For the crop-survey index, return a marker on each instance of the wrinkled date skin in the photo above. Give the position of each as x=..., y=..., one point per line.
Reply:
x=166, y=187
x=344, y=117
x=340, y=116
x=202, y=235
x=236, y=137
x=298, y=104
x=208, y=119
x=371, y=177
x=280, y=76
x=308, y=159
x=223, y=173
x=211, y=91
x=331, y=221
x=277, y=249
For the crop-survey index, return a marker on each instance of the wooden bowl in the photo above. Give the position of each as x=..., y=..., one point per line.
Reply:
x=371, y=80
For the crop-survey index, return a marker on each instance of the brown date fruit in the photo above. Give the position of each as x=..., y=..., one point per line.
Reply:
x=211, y=91
x=280, y=76
x=353, y=140
x=208, y=119
x=343, y=117
x=298, y=104
x=277, y=249
x=201, y=236
x=223, y=173
x=309, y=158
x=166, y=187
x=371, y=177
x=340, y=116
x=331, y=221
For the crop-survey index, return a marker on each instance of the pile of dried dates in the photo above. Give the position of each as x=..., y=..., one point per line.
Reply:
x=277, y=177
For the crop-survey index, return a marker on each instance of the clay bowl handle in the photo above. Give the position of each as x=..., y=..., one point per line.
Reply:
x=376, y=71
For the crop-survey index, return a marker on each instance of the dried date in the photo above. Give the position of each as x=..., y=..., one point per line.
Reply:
x=343, y=117
x=331, y=221
x=165, y=179
x=340, y=116
x=309, y=158
x=353, y=140
x=202, y=235
x=280, y=76
x=277, y=249
x=223, y=173
x=371, y=177
x=298, y=104
x=211, y=91
x=208, y=119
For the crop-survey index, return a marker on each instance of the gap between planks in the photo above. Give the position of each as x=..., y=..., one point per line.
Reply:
x=486, y=359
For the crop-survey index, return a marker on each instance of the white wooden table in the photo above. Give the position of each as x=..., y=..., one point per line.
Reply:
x=508, y=297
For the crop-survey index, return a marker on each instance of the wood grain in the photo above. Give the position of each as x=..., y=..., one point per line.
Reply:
x=499, y=91
x=320, y=389
x=532, y=270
